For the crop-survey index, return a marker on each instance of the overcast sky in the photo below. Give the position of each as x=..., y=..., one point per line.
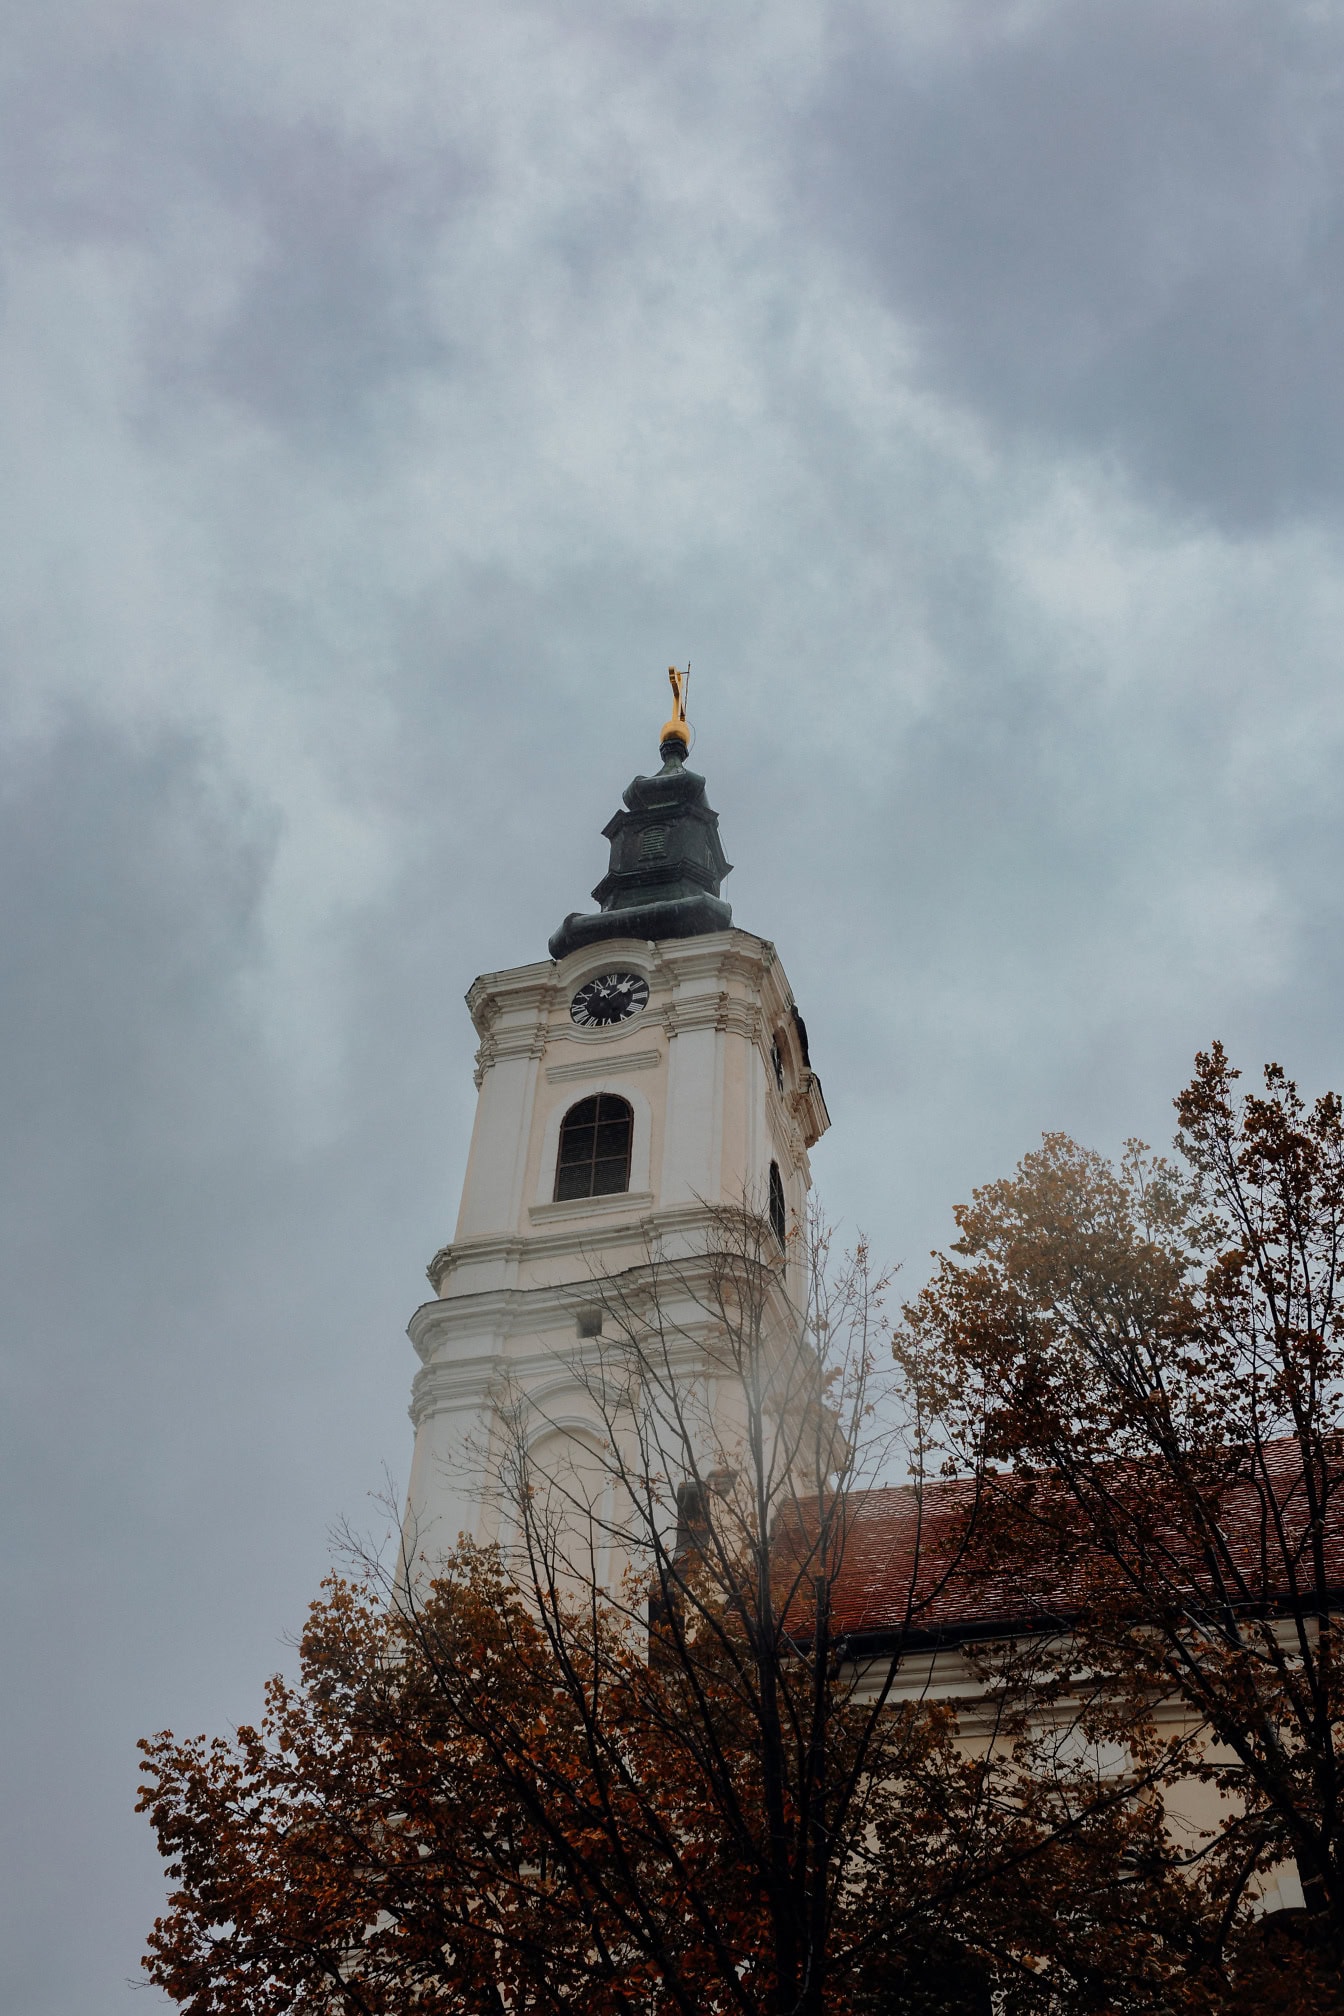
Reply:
x=388, y=394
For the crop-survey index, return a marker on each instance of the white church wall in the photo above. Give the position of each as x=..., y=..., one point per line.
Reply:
x=708, y=1119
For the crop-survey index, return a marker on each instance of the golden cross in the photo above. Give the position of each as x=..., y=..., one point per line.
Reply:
x=676, y=727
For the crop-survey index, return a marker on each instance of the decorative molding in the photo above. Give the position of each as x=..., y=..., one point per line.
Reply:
x=604, y=1066
x=509, y=1247
x=698, y=1011
x=809, y=1109
x=512, y=1043
x=445, y=1331
x=510, y=1012
x=630, y=1201
x=522, y=1042
x=742, y=1018
x=464, y=1385
x=483, y=1009
x=722, y=1011
x=572, y=1240
x=518, y=987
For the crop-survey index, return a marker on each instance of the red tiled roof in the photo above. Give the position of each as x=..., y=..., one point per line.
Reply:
x=906, y=1565
x=903, y=1565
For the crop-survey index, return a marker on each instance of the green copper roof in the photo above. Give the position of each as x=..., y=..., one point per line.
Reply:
x=666, y=864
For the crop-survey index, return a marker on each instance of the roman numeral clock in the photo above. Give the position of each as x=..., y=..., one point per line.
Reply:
x=609, y=998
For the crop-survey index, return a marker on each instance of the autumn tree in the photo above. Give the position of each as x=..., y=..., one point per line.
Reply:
x=1153, y=1356
x=642, y=1758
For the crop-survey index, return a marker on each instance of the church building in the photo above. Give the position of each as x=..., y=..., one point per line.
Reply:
x=649, y=1075
x=653, y=1068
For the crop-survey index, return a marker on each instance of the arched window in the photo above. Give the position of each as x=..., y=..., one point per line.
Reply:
x=594, y=1158
x=778, y=1217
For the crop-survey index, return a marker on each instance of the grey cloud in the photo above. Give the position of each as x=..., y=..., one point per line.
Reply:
x=125, y=909
x=130, y=891
x=157, y=1286
x=366, y=471
x=292, y=263
x=336, y=308
x=1122, y=228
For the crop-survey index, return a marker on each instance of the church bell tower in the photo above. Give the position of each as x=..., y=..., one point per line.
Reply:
x=653, y=1067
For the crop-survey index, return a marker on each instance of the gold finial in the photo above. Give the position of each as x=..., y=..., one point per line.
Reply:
x=676, y=730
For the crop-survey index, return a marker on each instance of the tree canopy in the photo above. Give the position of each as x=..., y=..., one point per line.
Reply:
x=647, y=1756
x=1146, y=1365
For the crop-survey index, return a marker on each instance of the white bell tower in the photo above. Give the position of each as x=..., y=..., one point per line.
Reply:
x=653, y=1067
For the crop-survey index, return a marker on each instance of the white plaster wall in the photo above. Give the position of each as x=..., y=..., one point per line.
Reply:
x=708, y=1120
x=450, y=1468
x=500, y=1136
x=693, y=1090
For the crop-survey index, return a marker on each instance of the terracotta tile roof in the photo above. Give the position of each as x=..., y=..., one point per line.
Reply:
x=907, y=1567
x=904, y=1566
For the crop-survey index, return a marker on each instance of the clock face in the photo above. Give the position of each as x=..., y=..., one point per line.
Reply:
x=612, y=997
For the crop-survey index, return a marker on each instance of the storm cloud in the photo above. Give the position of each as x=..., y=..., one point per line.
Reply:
x=387, y=396
x=1120, y=228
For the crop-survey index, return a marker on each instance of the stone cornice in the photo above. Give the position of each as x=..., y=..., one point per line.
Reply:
x=522, y=1311
x=518, y=987
x=514, y=1043
x=649, y=1228
x=455, y=1381
x=669, y=1240
x=446, y=1383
